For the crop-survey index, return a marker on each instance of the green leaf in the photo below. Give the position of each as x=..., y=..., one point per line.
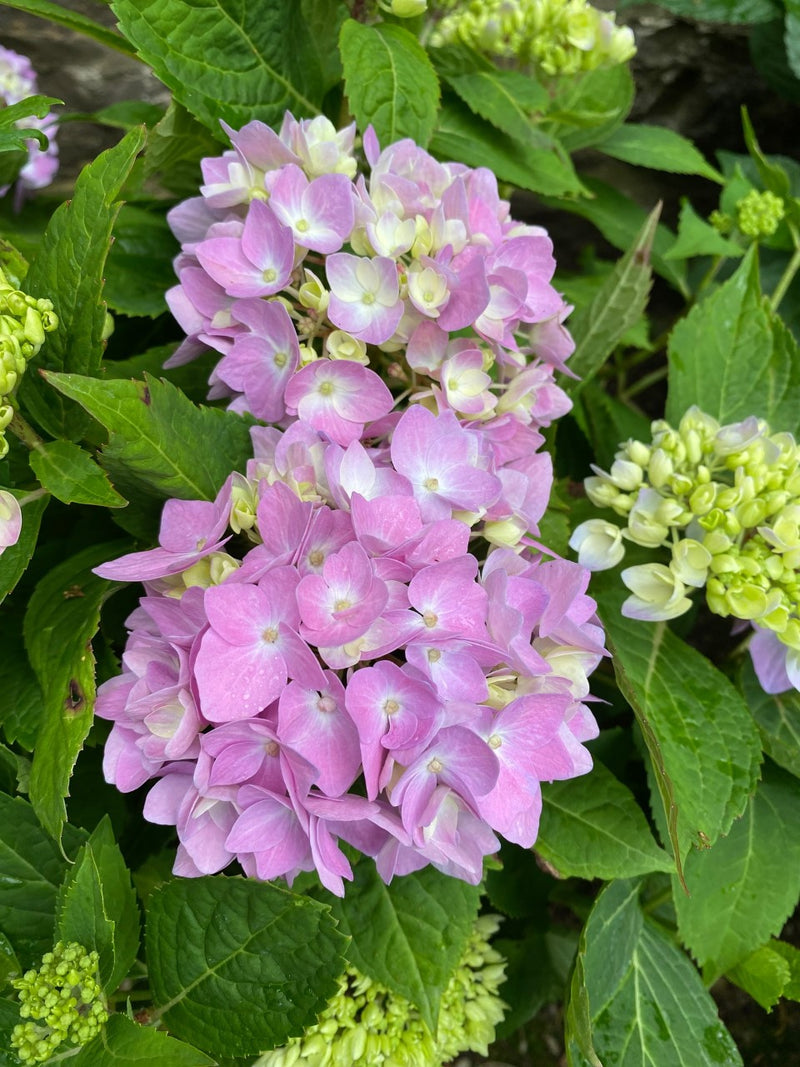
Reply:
x=768, y=46
x=72, y=20
x=587, y=107
x=68, y=269
x=60, y=622
x=408, y=935
x=697, y=238
x=658, y=148
x=15, y=559
x=777, y=716
x=71, y=475
x=13, y=135
x=97, y=906
x=702, y=741
x=22, y=707
x=226, y=60
x=733, y=357
x=506, y=98
x=9, y=964
x=647, y=1003
x=606, y=421
x=123, y=1043
x=592, y=827
x=541, y=167
x=619, y=304
x=766, y=974
x=238, y=966
x=175, y=149
x=620, y=220
x=324, y=20
x=126, y=114
x=161, y=442
x=745, y=887
x=32, y=866
x=773, y=176
x=389, y=81
x=734, y=11
x=139, y=267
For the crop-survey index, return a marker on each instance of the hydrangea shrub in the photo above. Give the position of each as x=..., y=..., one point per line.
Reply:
x=323, y=646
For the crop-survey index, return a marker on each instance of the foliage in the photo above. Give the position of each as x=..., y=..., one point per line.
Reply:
x=677, y=855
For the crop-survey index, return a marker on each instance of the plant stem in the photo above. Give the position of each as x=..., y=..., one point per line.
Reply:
x=25, y=432
x=645, y=382
x=788, y=275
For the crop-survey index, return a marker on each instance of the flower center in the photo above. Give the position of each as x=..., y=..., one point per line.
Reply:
x=279, y=359
x=271, y=748
x=316, y=557
x=431, y=484
x=327, y=704
x=391, y=706
x=436, y=766
x=495, y=741
x=434, y=655
x=270, y=274
x=270, y=636
x=430, y=620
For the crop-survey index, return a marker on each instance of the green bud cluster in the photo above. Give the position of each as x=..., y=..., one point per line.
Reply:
x=63, y=1002
x=725, y=500
x=367, y=1025
x=24, y=321
x=759, y=214
x=552, y=36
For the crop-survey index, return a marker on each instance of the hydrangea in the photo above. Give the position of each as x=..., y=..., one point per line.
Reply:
x=18, y=81
x=24, y=322
x=317, y=287
x=725, y=502
x=553, y=36
x=62, y=1001
x=319, y=656
x=367, y=1025
x=330, y=651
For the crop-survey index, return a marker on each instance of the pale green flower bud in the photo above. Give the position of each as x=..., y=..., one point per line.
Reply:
x=702, y=499
x=660, y=469
x=751, y=513
x=313, y=293
x=6, y=415
x=626, y=475
x=658, y=594
x=636, y=452
x=645, y=526
x=738, y=435
x=598, y=544
x=690, y=562
x=405, y=9
x=746, y=601
x=759, y=214
x=342, y=345
x=601, y=491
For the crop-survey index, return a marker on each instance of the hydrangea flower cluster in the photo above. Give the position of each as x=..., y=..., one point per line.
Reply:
x=366, y=1025
x=24, y=322
x=317, y=287
x=726, y=501
x=758, y=215
x=319, y=656
x=18, y=81
x=63, y=1002
x=553, y=36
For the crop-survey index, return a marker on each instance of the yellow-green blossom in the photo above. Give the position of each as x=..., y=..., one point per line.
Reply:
x=367, y=1025
x=553, y=36
x=759, y=214
x=62, y=1002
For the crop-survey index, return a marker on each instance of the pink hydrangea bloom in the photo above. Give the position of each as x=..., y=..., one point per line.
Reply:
x=350, y=673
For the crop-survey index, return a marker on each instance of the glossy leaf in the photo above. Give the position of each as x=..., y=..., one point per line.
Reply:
x=658, y=148
x=734, y=358
x=389, y=80
x=159, y=440
x=227, y=60
x=743, y=889
x=769, y=973
x=72, y=20
x=619, y=304
x=72, y=476
x=139, y=268
x=97, y=906
x=703, y=744
x=777, y=716
x=68, y=269
x=33, y=867
x=592, y=827
x=697, y=238
x=540, y=166
x=647, y=1004
x=238, y=966
x=60, y=622
x=415, y=934
x=123, y=1043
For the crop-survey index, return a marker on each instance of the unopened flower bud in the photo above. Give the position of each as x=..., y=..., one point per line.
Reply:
x=598, y=544
x=759, y=214
x=690, y=562
x=658, y=594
